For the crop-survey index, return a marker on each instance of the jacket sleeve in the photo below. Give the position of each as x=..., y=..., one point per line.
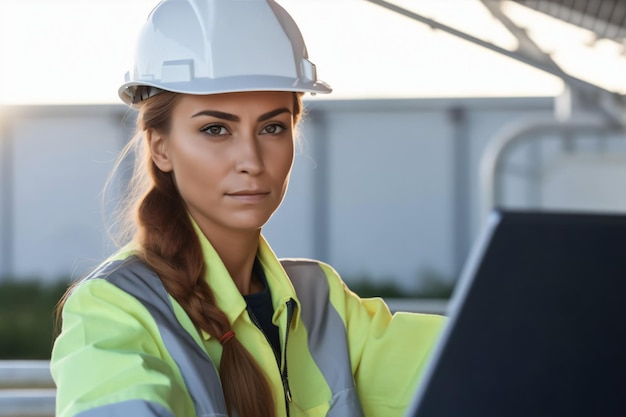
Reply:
x=388, y=353
x=108, y=359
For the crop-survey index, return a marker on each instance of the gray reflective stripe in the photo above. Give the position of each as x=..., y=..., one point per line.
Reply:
x=346, y=403
x=328, y=341
x=135, y=408
x=197, y=369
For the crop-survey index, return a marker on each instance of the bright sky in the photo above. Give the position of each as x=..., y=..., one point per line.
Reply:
x=77, y=51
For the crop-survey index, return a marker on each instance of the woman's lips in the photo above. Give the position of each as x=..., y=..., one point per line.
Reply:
x=248, y=195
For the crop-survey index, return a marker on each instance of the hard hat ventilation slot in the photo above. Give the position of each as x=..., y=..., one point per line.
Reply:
x=177, y=71
x=309, y=71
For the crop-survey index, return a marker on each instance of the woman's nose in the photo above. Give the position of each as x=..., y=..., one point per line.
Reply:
x=248, y=155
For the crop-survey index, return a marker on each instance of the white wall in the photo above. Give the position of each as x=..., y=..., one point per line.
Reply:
x=387, y=189
x=61, y=159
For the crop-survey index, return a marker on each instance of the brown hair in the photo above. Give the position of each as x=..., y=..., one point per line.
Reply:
x=158, y=221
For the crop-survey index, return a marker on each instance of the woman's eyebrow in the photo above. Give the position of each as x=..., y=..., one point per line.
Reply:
x=218, y=114
x=234, y=118
x=270, y=114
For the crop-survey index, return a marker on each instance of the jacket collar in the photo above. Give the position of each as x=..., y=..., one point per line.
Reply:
x=280, y=285
x=227, y=295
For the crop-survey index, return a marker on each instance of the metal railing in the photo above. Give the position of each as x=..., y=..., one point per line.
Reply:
x=27, y=388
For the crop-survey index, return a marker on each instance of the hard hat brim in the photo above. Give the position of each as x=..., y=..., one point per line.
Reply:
x=237, y=84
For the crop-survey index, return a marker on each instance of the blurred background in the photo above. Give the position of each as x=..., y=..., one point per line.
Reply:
x=442, y=110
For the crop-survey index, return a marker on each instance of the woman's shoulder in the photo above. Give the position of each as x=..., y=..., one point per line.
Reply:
x=311, y=276
x=118, y=264
x=306, y=268
x=105, y=283
x=122, y=272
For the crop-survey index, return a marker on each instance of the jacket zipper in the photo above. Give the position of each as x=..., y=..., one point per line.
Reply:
x=284, y=372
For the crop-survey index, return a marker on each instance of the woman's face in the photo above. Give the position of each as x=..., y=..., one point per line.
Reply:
x=230, y=155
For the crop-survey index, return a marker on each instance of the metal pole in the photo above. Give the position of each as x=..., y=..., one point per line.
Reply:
x=460, y=186
x=542, y=64
x=321, y=184
x=6, y=197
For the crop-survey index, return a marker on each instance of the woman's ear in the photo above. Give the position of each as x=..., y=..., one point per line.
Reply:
x=158, y=150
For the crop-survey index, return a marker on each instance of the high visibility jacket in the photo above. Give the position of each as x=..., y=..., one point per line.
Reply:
x=127, y=348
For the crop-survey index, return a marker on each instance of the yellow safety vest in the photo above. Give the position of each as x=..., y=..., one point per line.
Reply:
x=128, y=348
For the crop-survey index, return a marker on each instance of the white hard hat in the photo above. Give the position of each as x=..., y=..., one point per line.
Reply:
x=219, y=46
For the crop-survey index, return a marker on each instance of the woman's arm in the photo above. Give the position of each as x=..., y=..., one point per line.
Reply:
x=388, y=352
x=109, y=358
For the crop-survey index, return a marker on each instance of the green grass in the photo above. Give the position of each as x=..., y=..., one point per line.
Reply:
x=27, y=318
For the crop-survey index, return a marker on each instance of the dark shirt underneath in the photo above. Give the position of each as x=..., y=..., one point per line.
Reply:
x=261, y=310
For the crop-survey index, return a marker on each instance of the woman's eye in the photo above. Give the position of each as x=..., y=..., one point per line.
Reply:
x=273, y=129
x=215, y=130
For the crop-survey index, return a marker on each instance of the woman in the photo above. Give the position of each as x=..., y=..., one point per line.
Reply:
x=196, y=315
